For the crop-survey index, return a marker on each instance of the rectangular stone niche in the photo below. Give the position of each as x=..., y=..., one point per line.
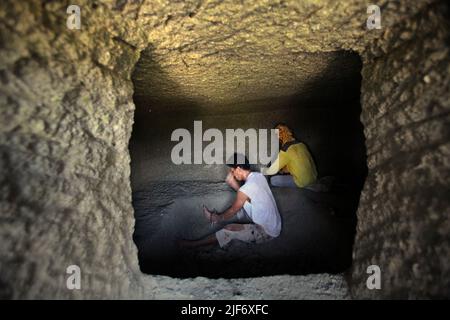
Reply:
x=318, y=229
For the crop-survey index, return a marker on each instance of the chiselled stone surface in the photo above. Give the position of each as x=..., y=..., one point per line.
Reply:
x=67, y=110
x=404, y=208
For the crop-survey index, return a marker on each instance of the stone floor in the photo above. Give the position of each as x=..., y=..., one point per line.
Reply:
x=314, y=238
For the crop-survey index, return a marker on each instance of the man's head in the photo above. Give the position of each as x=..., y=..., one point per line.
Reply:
x=285, y=133
x=239, y=166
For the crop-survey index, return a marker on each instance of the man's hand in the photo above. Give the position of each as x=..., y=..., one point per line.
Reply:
x=231, y=181
x=212, y=217
x=215, y=218
x=263, y=170
x=284, y=170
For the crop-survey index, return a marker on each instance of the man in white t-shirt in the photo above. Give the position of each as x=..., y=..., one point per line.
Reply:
x=254, y=203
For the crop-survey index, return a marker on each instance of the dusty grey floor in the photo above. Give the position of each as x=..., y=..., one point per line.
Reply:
x=284, y=287
x=312, y=239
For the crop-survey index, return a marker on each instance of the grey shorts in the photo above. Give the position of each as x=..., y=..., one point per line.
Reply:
x=252, y=233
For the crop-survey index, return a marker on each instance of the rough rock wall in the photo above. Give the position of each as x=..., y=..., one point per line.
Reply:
x=404, y=208
x=66, y=116
x=66, y=113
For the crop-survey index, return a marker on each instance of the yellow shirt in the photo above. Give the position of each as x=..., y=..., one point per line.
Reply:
x=298, y=161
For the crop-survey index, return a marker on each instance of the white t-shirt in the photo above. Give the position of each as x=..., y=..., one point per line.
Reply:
x=264, y=209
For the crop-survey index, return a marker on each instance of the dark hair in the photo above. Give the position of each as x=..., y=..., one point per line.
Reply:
x=238, y=160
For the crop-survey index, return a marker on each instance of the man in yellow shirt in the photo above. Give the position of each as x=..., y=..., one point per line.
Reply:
x=293, y=158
